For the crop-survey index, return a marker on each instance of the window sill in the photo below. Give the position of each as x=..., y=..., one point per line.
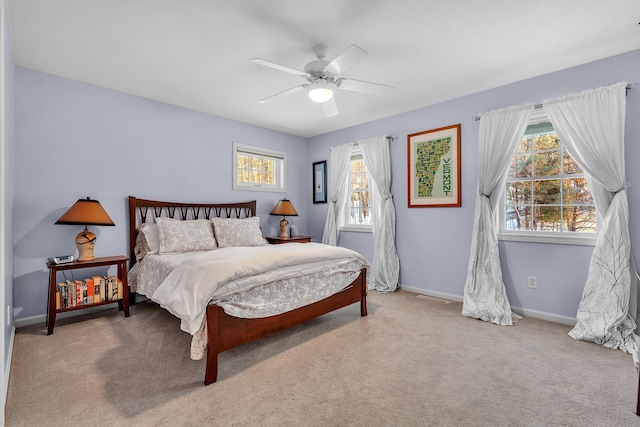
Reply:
x=357, y=229
x=254, y=187
x=552, y=238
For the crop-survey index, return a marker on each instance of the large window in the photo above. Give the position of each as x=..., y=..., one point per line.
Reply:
x=547, y=197
x=358, y=211
x=258, y=169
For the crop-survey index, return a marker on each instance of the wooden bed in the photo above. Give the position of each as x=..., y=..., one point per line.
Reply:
x=224, y=331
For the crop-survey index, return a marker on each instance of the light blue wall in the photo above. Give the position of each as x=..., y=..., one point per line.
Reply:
x=76, y=140
x=433, y=243
x=7, y=169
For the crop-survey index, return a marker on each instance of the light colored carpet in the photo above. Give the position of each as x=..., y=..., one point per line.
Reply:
x=414, y=361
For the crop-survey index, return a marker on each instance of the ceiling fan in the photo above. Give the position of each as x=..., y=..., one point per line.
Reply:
x=324, y=76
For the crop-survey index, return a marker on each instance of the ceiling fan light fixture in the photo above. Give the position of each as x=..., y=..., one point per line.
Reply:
x=320, y=93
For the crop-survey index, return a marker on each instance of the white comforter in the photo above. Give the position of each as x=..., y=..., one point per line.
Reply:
x=193, y=283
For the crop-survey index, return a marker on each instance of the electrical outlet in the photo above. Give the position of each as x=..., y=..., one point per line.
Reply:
x=532, y=282
x=8, y=315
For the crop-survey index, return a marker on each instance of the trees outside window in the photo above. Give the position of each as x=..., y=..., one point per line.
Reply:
x=359, y=206
x=546, y=190
x=258, y=169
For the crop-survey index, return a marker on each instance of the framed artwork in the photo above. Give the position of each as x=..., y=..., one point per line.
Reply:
x=434, y=168
x=320, y=182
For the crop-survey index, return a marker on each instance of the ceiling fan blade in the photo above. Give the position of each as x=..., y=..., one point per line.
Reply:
x=283, y=94
x=330, y=108
x=278, y=67
x=362, y=86
x=347, y=59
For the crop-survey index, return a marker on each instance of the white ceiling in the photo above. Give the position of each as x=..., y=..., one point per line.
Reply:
x=195, y=53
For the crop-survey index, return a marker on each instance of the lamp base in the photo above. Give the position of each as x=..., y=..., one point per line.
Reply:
x=284, y=225
x=85, y=241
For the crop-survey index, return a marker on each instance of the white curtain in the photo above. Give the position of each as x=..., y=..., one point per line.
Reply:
x=590, y=124
x=339, y=167
x=485, y=295
x=385, y=267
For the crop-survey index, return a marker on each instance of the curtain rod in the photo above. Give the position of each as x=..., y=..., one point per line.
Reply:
x=389, y=139
x=537, y=106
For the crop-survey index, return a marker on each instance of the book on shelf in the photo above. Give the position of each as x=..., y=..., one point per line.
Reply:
x=95, y=280
x=79, y=297
x=90, y=290
x=97, y=285
x=103, y=288
x=64, y=294
x=59, y=296
x=72, y=293
x=114, y=288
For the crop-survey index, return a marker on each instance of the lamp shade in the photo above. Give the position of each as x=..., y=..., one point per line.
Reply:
x=285, y=208
x=86, y=212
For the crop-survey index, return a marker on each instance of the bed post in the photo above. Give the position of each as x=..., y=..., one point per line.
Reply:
x=638, y=399
x=363, y=286
x=211, y=372
x=132, y=231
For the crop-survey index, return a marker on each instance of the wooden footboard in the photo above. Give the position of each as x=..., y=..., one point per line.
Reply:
x=226, y=332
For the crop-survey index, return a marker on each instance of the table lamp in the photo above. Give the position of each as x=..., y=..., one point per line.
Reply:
x=285, y=208
x=85, y=212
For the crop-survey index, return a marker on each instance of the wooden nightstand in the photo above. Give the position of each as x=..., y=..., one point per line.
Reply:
x=123, y=303
x=277, y=240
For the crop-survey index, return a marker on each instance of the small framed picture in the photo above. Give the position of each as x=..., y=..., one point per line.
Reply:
x=320, y=182
x=434, y=168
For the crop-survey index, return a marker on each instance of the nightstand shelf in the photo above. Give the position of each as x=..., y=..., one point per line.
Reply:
x=123, y=303
x=277, y=240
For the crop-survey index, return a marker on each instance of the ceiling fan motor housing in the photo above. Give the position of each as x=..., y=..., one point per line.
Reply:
x=316, y=70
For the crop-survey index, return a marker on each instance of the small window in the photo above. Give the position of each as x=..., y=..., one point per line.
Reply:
x=547, y=196
x=358, y=208
x=258, y=169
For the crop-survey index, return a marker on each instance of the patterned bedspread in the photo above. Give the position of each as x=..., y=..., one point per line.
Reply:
x=247, y=282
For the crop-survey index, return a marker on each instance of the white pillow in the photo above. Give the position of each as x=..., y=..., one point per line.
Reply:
x=150, y=233
x=234, y=232
x=142, y=248
x=185, y=236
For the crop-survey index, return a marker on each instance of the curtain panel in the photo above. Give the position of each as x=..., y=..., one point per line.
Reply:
x=386, y=265
x=339, y=167
x=591, y=124
x=485, y=296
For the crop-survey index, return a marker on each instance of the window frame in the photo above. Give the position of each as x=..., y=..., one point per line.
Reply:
x=280, y=169
x=345, y=224
x=533, y=236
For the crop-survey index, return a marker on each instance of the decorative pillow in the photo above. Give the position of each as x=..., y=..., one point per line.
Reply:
x=185, y=236
x=150, y=234
x=234, y=232
x=142, y=247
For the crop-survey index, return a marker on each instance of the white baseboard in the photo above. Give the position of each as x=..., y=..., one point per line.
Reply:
x=551, y=317
x=543, y=315
x=442, y=295
x=42, y=318
x=7, y=371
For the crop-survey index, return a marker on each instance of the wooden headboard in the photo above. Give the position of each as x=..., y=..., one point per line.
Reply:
x=141, y=210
